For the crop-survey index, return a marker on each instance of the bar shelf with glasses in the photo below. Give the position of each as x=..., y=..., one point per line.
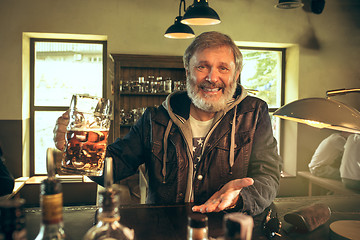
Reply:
x=141, y=81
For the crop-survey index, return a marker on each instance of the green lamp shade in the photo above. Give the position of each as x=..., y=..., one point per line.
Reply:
x=200, y=14
x=322, y=113
x=179, y=30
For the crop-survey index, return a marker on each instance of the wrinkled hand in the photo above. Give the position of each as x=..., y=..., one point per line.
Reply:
x=225, y=198
x=60, y=131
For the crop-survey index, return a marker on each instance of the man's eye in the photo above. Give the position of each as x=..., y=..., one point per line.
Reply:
x=200, y=68
x=224, y=69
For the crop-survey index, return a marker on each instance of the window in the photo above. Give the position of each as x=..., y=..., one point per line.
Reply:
x=59, y=69
x=263, y=72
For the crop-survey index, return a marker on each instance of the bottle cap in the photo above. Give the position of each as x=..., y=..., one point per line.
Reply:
x=110, y=197
x=198, y=221
x=50, y=186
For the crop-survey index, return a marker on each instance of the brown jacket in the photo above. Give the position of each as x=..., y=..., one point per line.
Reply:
x=170, y=172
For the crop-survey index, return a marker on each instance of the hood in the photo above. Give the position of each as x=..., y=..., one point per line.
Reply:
x=177, y=104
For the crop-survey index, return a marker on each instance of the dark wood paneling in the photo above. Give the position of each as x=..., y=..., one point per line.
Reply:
x=148, y=61
x=11, y=144
x=73, y=194
x=128, y=67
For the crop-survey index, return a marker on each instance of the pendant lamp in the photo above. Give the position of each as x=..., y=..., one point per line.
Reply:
x=200, y=14
x=179, y=30
x=289, y=4
x=323, y=112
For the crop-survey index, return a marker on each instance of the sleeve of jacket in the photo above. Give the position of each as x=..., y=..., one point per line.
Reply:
x=130, y=152
x=264, y=167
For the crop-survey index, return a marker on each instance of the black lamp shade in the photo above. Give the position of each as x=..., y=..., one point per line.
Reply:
x=200, y=14
x=179, y=30
x=317, y=6
x=289, y=4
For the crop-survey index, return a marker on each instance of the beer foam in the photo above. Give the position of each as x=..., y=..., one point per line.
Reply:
x=86, y=129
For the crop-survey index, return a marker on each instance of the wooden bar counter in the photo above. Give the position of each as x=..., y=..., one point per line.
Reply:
x=170, y=222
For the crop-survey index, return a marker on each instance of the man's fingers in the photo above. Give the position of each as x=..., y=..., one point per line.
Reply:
x=244, y=182
x=205, y=208
x=59, y=128
x=197, y=208
x=60, y=131
x=65, y=115
x=226, y=197
x=60, y=145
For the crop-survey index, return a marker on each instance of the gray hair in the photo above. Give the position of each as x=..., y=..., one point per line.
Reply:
x=213, y=40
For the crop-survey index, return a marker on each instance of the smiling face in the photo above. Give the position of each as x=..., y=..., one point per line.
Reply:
x=211, y=78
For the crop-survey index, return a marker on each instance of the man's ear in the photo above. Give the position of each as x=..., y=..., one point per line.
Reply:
x=187, y=72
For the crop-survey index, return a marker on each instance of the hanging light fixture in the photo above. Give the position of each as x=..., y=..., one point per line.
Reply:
x=289, y=4
x=179, y=30
x=323, y=112
x=200, y=14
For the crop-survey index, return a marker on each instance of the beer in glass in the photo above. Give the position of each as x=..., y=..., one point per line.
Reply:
x=86, y=137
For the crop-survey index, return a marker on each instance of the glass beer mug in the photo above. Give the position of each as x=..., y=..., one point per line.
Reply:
x=86, y=136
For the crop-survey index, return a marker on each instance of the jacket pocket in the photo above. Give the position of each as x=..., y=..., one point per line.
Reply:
x=241, y=139
x=157, y=163
x=221, y=155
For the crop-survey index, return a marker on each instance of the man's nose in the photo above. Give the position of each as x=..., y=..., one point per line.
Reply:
x=213, y=75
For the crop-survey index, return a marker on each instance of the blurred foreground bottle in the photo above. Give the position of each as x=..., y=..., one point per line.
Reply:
x=197, y=227
x=108, y=226
x=51, y=202
x=238, y=226
x=12, y=220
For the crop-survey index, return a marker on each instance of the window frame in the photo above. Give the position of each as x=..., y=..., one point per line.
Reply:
x=34, y=108
x=283, y=68
x=282, y=82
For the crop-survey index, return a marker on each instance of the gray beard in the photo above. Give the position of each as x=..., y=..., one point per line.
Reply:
x=208, y=105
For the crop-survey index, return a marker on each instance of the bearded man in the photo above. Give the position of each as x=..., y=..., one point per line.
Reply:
x=211, y=145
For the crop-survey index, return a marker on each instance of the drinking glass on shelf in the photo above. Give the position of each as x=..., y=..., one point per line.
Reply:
x=125, y=87
x=168, y=85
x=177, y=85
x=86, y=137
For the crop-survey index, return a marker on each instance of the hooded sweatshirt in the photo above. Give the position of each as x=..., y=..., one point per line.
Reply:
x=239, y=144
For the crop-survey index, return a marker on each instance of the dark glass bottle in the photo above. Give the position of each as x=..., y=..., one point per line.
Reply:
x=108, y=226
x=12, y=220
x=238, y=226
x=197, y=227
x=51, y=202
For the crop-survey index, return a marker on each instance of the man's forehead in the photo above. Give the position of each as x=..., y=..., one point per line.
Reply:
x=201, y=58
x=213, y=48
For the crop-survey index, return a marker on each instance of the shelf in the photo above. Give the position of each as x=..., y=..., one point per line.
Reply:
x=128, y=66
x=129, y=94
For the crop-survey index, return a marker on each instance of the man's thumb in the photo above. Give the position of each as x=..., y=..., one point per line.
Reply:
x=245, y=182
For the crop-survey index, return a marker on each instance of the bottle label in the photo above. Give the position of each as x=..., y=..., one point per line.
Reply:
x=52, y=208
